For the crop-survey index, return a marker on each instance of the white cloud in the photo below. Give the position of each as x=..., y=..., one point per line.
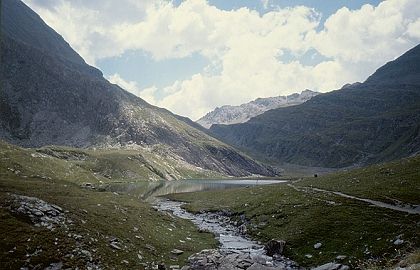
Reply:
x=413, y=29
x=244, y=47
x=370, y=34
x=87, y=25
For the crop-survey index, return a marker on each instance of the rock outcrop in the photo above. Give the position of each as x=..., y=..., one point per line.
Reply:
x=228, y=114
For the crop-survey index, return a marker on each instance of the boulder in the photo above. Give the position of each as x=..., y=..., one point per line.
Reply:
x=273, y=247
x=332, y=266
x=257, y=266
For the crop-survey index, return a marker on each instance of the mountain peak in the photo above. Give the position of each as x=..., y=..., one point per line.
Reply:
x=23, y=25
x=228, y=114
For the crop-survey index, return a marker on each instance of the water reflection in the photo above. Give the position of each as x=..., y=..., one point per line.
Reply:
x=147, y=190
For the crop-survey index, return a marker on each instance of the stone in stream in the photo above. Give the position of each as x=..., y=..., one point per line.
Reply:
x=245, y=264
x=242, y=229
x=275, y=247
x=332, y=266
x=257, y=266
x=55, y=266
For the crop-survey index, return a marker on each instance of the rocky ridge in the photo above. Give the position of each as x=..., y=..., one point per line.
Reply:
x=228, y=114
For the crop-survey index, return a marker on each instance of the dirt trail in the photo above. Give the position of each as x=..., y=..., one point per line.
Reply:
x=411, y=209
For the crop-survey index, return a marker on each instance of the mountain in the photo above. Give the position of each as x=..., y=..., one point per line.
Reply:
x=50, y=96
x=228, y=115
x=374, y=121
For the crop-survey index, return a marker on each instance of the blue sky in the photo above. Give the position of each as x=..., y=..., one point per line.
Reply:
x=194, y=55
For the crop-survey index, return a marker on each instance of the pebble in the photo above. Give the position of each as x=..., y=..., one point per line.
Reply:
x=317, y=245
x=115, y=246
x=398, y=242
x=177, y=251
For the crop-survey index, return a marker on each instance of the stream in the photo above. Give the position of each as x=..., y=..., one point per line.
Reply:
x=236, y=250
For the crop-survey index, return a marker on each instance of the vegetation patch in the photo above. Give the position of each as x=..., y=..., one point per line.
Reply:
x=101, y=229
x=321, y=227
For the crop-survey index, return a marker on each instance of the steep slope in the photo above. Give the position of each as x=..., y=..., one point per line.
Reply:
x=228, y=114
x=377, y=120
x=50, y=96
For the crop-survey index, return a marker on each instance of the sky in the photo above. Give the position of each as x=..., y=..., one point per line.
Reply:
x=195, y=55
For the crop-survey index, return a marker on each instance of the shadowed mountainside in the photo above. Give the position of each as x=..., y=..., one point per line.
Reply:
x=369, y=122
x=50, y=96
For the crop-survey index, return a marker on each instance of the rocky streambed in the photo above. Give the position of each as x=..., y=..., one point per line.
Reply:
x=236, y=250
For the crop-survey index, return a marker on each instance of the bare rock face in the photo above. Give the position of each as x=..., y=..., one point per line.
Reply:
x=41, y=213
x=50, y=96
x=228, y=114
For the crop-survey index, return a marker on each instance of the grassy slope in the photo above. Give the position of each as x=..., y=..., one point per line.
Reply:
x=81, y=165
x=399, y=180
x=344, y=227
x=100, y=215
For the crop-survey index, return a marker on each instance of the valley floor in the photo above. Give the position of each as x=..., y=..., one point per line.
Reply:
x=54, y=213
x=321, y=227
x=49, y=216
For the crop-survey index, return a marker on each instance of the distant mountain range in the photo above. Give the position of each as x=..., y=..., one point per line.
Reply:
x=50, y=96
x=228, y=114
x=374, y=121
